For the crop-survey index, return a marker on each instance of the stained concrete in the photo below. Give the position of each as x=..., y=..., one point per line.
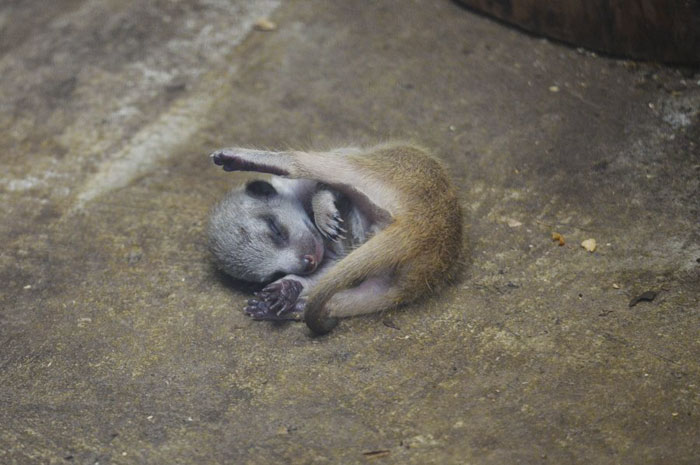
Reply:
x=121, y=344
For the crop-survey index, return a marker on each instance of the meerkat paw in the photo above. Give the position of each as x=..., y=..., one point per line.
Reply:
x=326, y=215
x=247, y=160
x=278, y=301
x=231, y=161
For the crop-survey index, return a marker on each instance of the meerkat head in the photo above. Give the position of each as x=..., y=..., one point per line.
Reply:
x=258, y=234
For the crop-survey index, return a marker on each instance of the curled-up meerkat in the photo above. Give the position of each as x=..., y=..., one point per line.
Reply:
x=347, y=232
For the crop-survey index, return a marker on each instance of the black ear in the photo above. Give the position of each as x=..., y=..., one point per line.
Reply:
x=260, y=189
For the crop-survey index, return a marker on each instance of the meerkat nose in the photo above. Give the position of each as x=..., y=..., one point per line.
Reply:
x=309, y=263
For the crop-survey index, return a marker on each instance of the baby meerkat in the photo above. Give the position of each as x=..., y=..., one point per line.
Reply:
x=350, y=231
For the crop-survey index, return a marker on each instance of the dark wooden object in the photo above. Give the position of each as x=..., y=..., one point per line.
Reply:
x=660, y=30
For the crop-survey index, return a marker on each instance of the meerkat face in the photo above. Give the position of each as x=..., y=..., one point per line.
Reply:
x=259, y=234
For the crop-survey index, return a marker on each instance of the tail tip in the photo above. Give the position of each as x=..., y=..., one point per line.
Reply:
x=320, y=324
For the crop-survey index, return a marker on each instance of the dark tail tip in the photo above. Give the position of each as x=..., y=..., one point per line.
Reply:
x=319, y=321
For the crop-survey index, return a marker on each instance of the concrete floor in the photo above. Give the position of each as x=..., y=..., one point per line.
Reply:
x=120, y=343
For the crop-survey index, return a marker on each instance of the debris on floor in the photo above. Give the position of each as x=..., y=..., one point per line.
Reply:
x=589, y=244
x=647, y=296
x=265, y=25
x=559, y=238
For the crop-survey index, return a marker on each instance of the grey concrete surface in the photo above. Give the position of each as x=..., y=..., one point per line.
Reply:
x=120, y=343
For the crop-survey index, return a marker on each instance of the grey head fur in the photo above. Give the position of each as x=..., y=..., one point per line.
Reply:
x=263, y=231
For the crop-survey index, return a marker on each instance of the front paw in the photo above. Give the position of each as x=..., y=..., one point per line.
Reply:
x=277, y=301
x=239, y=159
x=326, y=216
x=230, y=161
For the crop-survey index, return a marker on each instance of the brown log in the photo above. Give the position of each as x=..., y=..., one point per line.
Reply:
x=659, y=30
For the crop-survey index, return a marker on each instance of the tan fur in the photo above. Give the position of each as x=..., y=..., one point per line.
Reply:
x=421, y=246
x=409, y=200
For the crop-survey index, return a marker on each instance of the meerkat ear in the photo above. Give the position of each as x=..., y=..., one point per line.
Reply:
x=261, y=189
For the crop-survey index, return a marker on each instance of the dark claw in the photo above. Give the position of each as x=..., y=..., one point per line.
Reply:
x=277, y=307
x=335, y=231
x=270, y=289
x=338, y=232
x=258, y=314
x=255, y=310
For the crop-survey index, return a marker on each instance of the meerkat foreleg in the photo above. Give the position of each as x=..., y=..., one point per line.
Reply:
x=373, y=294
x=240, y=159
x=338, y=169
x=326, y=215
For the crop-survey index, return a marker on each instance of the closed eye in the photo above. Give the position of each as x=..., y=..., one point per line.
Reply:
x=278, y=232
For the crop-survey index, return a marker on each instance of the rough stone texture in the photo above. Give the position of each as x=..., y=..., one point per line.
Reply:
x=120, y=343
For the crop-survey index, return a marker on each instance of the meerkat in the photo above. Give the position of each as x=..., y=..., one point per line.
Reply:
x=284, y=231
x=352, y=231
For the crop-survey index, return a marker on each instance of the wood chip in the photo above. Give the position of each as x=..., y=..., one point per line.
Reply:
x=264, y=24
x=558, y=237
x=589, y=244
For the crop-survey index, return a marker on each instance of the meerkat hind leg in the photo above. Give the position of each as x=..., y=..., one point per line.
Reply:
x=371, y=295
x=326, y=215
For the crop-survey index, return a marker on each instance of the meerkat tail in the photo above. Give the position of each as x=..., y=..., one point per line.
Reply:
x=380, y=255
